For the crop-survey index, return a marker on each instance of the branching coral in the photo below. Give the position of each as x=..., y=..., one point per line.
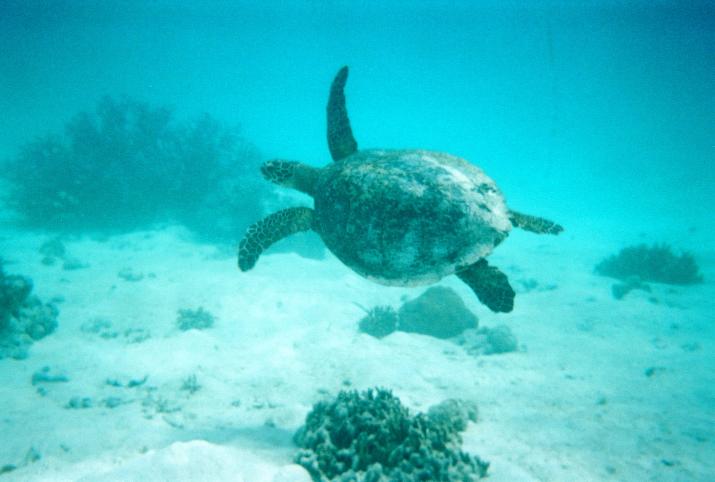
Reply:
x=129, y=165
x=371, y=437
x=379, y=321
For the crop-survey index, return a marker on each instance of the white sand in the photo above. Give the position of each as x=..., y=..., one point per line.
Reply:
x=574, y=403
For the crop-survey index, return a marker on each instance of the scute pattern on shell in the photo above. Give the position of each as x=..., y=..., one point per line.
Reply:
x=408, y=217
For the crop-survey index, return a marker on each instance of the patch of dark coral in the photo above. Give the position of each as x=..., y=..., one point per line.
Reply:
x=198, y=319
x=129, y=165
x=23, y=317
x=379, y=321
x=657, y=263
x=372, y=437
x=54, y=251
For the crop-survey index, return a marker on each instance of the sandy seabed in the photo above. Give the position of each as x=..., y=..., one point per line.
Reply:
x=599, y=389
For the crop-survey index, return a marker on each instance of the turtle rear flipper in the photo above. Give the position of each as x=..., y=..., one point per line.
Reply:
x=268, y=230
x=534, y=224
x=490, y=285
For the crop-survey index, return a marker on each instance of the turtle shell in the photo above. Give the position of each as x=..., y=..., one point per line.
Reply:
x=408, y=217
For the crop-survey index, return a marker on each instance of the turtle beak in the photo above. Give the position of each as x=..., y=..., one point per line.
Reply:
x=279, y=171
x=266, y=169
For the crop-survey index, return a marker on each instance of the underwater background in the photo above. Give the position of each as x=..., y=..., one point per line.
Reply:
x=131, y=140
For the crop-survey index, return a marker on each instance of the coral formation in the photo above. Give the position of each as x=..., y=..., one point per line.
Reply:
x=438, y=312
x=191, y=384
x=129, y=165
x=488, y=341
x=99, y=326
x=104, y=329
x=372, y=437
x=198, y=319
x=77, y=402
x=441, y=313
x=46, y=375
x=54, y=250
x=657, y=263
x=379, y=322
x=128, y=274
x=454, y=413
x=620, y=290
x=31, y=457
x=23, y=317
x=500, y=339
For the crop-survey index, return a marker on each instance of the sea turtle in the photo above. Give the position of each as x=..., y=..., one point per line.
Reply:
x=397, y=217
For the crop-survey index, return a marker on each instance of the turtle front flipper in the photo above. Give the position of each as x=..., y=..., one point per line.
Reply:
x=490, y=285
x=534, y=224
x=268, y=230
x=340, y=136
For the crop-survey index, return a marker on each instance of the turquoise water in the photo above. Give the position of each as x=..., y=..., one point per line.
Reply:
x=600, y=115
x=605, y=110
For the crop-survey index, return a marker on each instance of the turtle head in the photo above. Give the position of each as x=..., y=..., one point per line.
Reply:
x=291, y=174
